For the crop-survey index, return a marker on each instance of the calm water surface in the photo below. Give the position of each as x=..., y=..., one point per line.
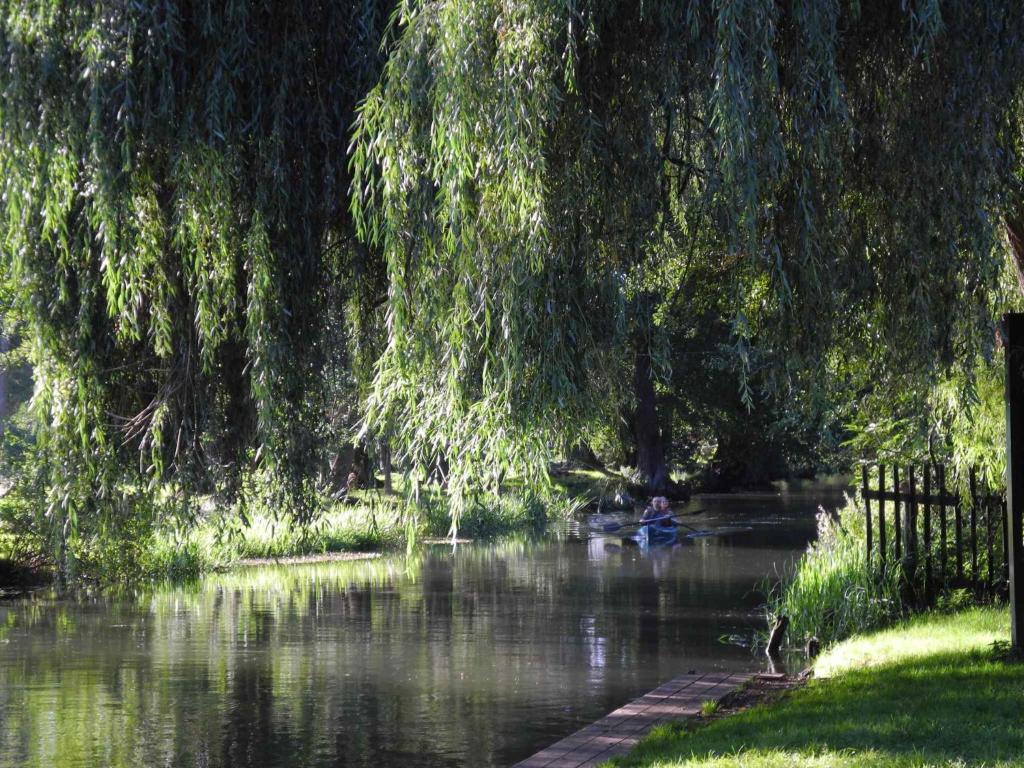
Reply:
x=476, y=657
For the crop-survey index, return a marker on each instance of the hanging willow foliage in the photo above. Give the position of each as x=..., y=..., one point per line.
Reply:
x=174, y=223
x=490, y=334
x=853, y=158
x=531, y=173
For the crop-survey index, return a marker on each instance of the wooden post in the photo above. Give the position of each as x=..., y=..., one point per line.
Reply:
x=1014, y=327
x=775, y=638
x=867, y=507
x=943, y=540
x=927, y=534
x=881, y=517
x=897, y=528
x=1004, y=564
x=974, y=529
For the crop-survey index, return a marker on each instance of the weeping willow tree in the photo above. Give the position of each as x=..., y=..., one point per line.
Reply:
x=541, y=175
x=537, y=185
x=174, y=227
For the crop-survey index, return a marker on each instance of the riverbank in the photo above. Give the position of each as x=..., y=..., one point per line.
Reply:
x=369, y=522
x=935, y=690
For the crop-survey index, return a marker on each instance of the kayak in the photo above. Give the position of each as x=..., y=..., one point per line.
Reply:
x=657, y=534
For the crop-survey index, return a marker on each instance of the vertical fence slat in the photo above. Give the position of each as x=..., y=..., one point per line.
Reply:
x=911, y=527
x=867, y=507
x=897, y=527
x=989, y=538
x=974, y=529
x=881, y=517
x=927, y=533
x=943, y=538
x=958, y=537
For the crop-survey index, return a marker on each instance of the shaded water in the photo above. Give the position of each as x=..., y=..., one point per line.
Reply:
x=474, y=658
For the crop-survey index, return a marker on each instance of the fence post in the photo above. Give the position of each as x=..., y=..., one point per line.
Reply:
x=1014, y=326
x=927, y=534
x=867, y=507
x=897, y=528
x=910, y=528
x=881, y=517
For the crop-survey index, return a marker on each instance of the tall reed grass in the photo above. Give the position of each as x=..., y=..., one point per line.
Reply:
x=831, y=592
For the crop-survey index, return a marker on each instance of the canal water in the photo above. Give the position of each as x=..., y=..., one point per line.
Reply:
x=474, y=657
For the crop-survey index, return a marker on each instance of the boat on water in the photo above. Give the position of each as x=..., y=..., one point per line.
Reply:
x=656, y=533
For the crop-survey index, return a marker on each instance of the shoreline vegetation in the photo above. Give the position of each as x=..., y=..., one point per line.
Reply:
x=935, y=689
x=371, y=522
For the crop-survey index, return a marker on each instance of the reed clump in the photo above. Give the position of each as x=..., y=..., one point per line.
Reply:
x=833, y=591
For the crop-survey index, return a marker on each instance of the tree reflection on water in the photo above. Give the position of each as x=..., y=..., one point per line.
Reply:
x=472, y=657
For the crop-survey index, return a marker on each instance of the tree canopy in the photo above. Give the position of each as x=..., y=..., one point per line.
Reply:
x=532, y=171
x=204, y=205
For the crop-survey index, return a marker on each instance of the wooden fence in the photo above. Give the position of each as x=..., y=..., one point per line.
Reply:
x=937, y=537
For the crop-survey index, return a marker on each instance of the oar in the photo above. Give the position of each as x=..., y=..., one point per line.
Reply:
x=609, y=527
x=697, y=534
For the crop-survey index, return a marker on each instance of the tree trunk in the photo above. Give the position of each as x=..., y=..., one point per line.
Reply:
x=650, y=446
x=361, y=465
x=582, y=455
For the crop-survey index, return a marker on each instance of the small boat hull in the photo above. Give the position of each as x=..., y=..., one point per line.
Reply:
x=657, y=534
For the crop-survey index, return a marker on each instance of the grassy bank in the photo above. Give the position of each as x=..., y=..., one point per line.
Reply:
x=370, y=521
x=218, y=542
x=933, y=691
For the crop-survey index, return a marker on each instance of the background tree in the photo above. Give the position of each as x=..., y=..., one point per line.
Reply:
x=850, y=161
x=175, y=228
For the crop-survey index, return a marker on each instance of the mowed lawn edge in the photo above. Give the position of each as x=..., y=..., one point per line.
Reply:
x=936, y=690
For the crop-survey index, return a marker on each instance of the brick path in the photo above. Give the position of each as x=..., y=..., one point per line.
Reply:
x=615, y=734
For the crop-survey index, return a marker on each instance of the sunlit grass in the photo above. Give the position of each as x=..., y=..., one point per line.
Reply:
x=930, y=692
x=926, y=635
x=355, y=529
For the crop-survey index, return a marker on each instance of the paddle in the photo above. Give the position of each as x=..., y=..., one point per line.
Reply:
x=609, y=527
x=695, y=533
x=720, y=532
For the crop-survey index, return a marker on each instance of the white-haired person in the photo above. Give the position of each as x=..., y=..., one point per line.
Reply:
x=658, y=510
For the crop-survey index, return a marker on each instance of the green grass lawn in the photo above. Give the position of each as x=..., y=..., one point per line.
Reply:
x=934, y=691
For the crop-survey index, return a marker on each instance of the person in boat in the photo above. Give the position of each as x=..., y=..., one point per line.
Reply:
x=659, y=510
